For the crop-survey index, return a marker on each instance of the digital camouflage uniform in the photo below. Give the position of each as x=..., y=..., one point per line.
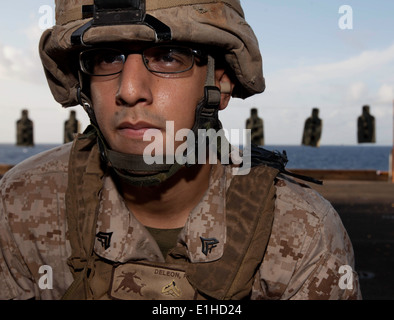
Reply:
x=307, y=246
x=297, y=242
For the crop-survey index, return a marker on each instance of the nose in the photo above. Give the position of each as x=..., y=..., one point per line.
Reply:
x=134, y=87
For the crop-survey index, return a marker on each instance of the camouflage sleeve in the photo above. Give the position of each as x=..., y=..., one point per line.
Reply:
x=33, y=227
x=309, y=255
x=15, y=279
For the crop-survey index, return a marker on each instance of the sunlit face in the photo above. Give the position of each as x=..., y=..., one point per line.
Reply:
x=127, y=104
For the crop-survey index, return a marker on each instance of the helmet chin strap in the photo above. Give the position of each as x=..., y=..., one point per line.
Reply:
x=132, y=168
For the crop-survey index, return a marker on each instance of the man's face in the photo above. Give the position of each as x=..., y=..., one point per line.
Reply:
x=126, y=105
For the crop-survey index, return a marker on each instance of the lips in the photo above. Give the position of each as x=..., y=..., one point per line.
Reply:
x=135, y=130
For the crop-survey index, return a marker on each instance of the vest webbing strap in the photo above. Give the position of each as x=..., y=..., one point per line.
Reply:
x=82, y=201
x=250, y=205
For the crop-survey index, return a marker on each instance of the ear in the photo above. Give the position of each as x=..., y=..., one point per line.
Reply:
x=226, y=86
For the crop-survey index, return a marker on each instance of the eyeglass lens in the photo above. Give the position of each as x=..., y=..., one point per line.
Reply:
x=160, y=59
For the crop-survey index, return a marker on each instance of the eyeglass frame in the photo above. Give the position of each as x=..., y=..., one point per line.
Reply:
x=199, y=53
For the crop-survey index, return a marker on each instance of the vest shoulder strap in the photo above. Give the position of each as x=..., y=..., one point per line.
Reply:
x=249, y=216
x=84, y=178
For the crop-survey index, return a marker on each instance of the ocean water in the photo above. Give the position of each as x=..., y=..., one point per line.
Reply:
x=11, y=154
x=300, y=157
x=363, y=157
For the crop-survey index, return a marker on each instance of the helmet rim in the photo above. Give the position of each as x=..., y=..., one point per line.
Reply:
x=214, y=24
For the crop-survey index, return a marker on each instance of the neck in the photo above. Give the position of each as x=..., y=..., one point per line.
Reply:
x=168, y=205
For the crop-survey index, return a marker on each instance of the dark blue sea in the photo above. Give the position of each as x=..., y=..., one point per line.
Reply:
x=300, y=157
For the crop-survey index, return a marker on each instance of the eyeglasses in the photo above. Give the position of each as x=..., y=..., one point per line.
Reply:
x=165, y=59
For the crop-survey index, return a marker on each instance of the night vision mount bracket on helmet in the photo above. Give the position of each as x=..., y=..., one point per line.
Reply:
x=119, y=12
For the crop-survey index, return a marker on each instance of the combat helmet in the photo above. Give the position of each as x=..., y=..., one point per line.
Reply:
x=218, y=24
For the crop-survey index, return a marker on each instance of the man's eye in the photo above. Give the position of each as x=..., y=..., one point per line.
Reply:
x=173, y=59
x=170, y=57
x=108, y=59
x=101, y=62
x=166, y=58
x=108, y=63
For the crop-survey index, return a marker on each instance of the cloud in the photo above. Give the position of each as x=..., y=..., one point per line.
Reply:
x=23, y=63
x=361, y=65
x=386, y=93
x=357, y=90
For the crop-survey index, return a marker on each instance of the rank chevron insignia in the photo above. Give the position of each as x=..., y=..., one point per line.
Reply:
x=105, y=239
x=208, y=244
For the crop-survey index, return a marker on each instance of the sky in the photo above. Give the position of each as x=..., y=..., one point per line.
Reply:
x=314, y=56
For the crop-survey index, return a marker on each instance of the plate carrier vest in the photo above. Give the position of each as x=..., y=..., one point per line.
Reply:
x=250, y=202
